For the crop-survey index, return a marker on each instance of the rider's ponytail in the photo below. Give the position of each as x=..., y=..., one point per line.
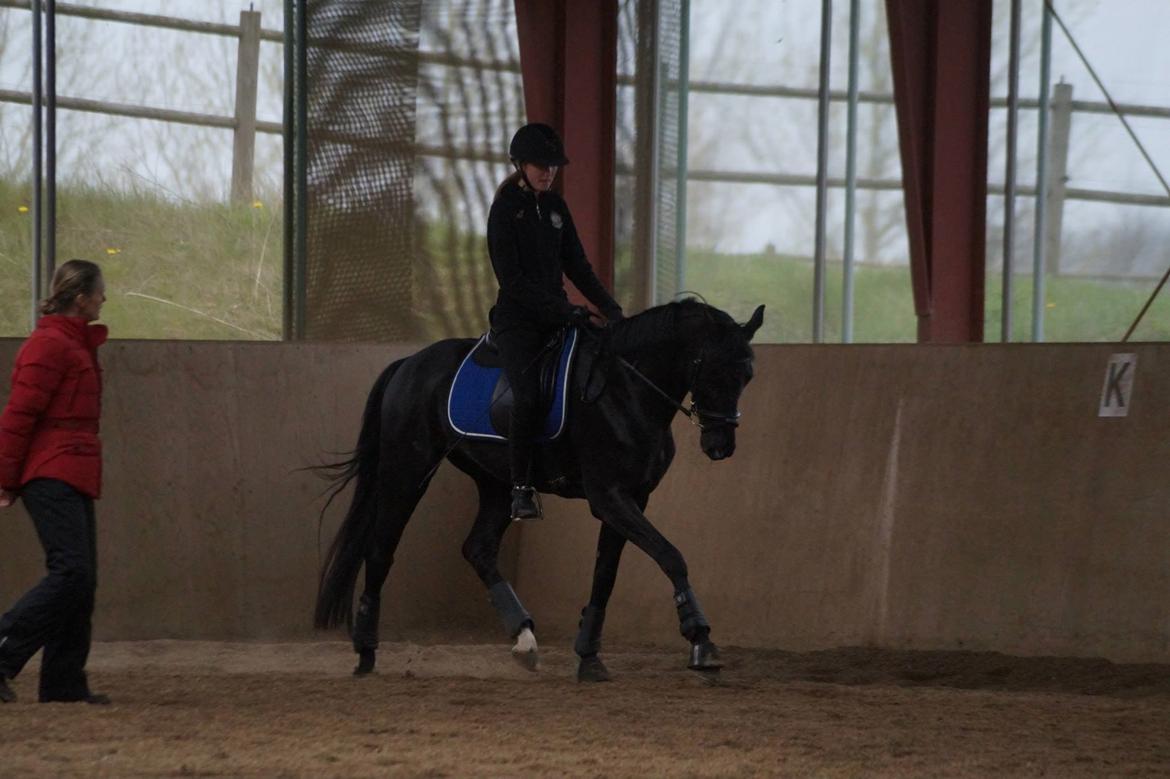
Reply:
x=513, y=179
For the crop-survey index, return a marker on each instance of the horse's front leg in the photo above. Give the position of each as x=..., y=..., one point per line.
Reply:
x=621, y=512
x=588, y=644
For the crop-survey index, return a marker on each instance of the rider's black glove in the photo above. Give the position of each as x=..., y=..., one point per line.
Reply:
x=582, y=317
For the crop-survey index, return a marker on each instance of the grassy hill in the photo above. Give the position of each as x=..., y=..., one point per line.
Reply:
x=172, y=270
x=214, y=271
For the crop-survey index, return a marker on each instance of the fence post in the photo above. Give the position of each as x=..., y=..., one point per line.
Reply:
x=247, y=76
x=647, y=124
x=1057, y=173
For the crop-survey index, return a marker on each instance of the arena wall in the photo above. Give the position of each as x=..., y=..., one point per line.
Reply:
x=208, y=530
x=904, y=496
x=907, y=496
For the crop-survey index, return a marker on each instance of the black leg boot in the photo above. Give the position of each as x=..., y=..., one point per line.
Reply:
x=525, y=503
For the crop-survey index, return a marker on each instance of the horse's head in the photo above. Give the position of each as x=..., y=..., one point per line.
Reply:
x=721, y=370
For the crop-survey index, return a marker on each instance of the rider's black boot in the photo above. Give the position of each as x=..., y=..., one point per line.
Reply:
x=524, y=503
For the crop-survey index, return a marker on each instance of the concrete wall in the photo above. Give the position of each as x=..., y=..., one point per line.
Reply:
x=206, y=528
x=901, y=495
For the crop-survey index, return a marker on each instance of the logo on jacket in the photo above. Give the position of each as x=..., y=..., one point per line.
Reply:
x=555, y=218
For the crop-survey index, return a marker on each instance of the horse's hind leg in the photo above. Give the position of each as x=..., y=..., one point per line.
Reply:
x=398, y=495
x=482, y=550
x=588, y=644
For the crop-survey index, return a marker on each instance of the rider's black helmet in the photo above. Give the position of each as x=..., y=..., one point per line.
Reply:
x=538, y=144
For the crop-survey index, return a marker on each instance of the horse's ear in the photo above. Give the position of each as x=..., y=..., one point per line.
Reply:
x=753, y=324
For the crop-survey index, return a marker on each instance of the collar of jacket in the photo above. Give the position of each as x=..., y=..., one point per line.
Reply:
x=520, y=190
x=92, y=336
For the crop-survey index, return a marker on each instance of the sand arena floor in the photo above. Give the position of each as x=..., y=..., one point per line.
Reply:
x=216, y=709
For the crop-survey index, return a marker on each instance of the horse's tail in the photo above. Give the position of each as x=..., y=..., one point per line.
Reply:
x=347, y=552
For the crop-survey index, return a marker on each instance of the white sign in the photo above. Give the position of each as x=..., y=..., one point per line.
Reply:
x=1118, y=390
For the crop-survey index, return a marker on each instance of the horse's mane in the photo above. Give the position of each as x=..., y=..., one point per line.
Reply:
x=657, y=326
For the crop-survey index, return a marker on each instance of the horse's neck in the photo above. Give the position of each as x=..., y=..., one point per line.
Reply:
x=666, y=357
x=667, y=366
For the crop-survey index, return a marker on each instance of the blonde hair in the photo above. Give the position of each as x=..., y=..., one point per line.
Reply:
x=72, y=278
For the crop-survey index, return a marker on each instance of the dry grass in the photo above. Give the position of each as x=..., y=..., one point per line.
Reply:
x=173, y=270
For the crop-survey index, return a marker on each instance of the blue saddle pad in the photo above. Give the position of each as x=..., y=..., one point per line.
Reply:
x=469, y=404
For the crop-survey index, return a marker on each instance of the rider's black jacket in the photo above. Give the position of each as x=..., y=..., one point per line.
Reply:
x=531, y=243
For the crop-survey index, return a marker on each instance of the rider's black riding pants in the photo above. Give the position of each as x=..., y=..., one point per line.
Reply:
x=520, y=349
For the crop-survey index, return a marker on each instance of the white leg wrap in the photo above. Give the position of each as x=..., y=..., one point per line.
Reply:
x=526, y=651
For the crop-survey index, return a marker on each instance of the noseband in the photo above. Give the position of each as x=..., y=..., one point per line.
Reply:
x=705, y=419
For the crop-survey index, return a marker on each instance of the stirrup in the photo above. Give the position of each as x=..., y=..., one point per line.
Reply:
x=525, y=504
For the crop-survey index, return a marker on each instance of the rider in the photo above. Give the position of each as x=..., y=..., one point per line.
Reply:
x=532, y=241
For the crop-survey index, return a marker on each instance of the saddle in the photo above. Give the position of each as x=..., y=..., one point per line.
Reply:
x=480, y=402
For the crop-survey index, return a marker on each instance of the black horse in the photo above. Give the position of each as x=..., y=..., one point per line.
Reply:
x=628, y=385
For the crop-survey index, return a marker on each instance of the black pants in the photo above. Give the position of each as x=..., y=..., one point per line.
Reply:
x=520, y=349
x=56, y=614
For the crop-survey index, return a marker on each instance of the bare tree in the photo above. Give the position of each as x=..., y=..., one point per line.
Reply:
x=781, y=137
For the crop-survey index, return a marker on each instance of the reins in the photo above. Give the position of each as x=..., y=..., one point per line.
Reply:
x=693, y=412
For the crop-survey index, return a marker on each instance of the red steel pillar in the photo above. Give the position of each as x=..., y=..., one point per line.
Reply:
x=568, y=58
x=940, y=51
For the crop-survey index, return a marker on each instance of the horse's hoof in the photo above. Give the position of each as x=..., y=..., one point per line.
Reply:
x=525, y=652
x=705, y=657
x=591, y=669
x=365, y=665
x=529, y=661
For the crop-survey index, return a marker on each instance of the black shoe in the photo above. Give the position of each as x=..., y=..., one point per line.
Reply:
x=6, y=693
x=524, y=504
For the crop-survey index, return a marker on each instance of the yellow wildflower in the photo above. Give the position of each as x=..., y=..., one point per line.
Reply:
x=22, y=209
x=112, y=251
x=257, y=204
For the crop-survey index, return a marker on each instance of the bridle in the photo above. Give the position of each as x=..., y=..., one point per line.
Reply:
x=700, y=418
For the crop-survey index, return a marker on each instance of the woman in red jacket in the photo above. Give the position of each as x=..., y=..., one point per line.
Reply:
x=50, y=456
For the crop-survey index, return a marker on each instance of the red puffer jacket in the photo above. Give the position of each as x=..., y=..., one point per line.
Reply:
x=49, y=429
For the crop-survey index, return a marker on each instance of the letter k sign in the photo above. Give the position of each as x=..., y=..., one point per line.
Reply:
x=1118, y=390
